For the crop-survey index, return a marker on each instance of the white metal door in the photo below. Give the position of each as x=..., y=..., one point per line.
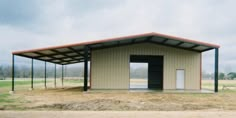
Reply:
x=180, y=79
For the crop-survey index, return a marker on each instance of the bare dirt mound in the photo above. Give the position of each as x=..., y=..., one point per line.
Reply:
x=118, y=105
x=95, y=105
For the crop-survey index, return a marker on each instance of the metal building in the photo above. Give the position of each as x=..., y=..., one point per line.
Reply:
x=173, y=62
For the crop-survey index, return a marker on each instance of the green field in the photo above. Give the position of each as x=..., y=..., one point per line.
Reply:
x=209, y=84
x=39, y=83
x=8, y=83
x=20, y=84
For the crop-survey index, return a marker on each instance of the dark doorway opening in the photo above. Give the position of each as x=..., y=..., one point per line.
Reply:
x=155, y=69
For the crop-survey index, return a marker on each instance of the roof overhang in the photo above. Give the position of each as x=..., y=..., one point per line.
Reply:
x=74, y=53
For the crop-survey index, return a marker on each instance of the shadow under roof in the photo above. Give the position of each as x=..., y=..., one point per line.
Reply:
x=74, y=53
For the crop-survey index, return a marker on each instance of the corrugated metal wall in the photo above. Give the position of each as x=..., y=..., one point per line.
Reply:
x=110, y=67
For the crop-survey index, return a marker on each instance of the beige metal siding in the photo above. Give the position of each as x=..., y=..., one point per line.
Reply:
x=110, y=67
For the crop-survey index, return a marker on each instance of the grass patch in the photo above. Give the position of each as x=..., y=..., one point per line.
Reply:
x=5, y=83
x=220, y=84
x=4, y=98
x=7, y=102
x=73, y=80
x=8, y=83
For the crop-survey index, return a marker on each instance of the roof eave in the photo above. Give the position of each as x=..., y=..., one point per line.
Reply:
x=120, y=38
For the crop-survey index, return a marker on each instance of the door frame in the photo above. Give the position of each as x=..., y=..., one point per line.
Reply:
x=184, y=79
x=145, y=59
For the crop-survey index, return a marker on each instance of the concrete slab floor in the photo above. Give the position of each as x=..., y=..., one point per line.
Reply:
x=153, y=90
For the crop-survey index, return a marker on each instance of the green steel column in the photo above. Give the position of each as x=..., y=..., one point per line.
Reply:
x=13, y=73
x=45, y=75
x=216, y=68
x=62, y=75
x=86, y=68
x=32, y=74
x=55, y=76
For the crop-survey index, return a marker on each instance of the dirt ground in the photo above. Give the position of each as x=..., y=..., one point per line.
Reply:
x=117, y=114
x=75, y=99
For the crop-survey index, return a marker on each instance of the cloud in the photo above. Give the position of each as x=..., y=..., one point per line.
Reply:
x=18, y=13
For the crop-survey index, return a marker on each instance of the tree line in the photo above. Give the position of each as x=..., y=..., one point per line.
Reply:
x=39, y=72
x=141, y=72
x=222, y=76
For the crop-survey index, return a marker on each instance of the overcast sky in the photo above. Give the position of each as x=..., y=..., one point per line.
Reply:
x=26, y=24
